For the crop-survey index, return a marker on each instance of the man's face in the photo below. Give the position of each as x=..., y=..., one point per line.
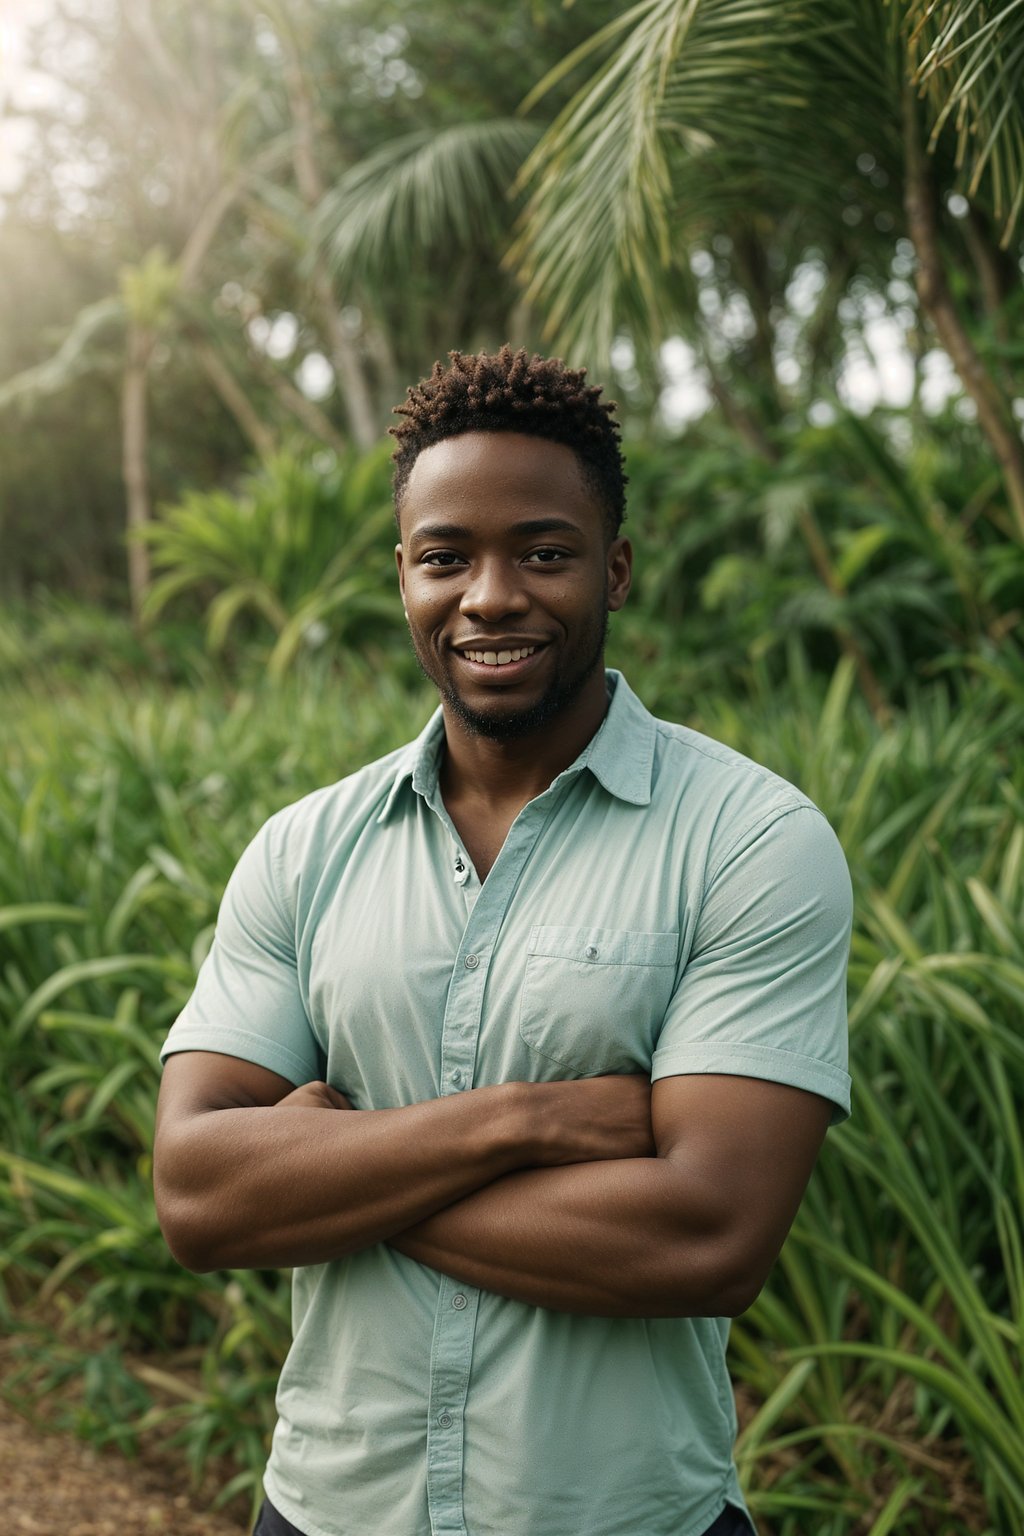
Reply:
x=505, y=553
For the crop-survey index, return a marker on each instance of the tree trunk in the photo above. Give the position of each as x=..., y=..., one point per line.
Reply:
x=235, y=398
x=351, y=378
x=994, y=415
x=735, y=413
x=750, y=263
x=134, y=435
x=316, y=423
x=348, y=370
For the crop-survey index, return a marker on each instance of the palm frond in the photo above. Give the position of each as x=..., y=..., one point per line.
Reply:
x=74, y=356
x=969, y=60
x=703, y=107
x=422, y=191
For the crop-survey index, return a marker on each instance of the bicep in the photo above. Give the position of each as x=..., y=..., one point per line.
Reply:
x=194, y=1082
x=752, y=1145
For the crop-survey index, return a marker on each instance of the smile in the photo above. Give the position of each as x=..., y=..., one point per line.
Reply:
x=499, y=658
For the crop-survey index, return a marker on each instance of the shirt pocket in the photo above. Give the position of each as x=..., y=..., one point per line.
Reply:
x=593, y=999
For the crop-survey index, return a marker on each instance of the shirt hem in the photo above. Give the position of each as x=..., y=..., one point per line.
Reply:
x=730, y=1494
x=297, y=1517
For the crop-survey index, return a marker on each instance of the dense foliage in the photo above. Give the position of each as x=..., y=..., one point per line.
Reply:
x=242, y=232
x=879, y=1369
x=256, y=221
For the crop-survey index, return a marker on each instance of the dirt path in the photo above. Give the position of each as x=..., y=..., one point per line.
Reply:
x=55, y=1485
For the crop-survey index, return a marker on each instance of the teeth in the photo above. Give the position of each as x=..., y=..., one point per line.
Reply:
x=500, y=658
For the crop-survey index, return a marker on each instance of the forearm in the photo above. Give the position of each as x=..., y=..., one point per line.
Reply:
x=306, y=1179
x=265, y=1187
x=610, y=1239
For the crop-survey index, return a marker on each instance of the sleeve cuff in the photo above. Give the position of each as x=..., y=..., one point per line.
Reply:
x=238, y=1042
x=759, y=1061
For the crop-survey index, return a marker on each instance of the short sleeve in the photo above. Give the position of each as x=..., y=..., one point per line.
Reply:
x=247, y=1001
x=763, y=993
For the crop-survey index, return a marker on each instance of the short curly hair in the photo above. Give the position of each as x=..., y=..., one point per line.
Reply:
x=510, y=391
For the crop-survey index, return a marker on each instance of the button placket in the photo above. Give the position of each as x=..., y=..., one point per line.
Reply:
x=462, y=1020
x=451, y=1359
x=455, y=1317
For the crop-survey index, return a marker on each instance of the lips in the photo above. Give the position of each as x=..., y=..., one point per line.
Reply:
x=502, y=661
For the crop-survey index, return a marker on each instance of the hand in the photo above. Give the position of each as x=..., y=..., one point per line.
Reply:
x=592, y=1119
x=314, y=1096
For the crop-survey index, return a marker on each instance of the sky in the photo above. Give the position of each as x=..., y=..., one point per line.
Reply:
x=19, y=87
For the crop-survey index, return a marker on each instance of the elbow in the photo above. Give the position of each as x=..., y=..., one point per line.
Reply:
x=188, y=1257
x=740, y=1288
x=716, y=1287
x=184, y=1235
x=179, y=1213
x=739, y=1300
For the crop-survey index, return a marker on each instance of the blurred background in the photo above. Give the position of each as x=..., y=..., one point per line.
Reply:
x=787, y=238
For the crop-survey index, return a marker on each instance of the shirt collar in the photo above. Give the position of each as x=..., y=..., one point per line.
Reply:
x=620, y=754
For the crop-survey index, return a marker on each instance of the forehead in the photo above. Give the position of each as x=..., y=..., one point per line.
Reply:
x=498, y=473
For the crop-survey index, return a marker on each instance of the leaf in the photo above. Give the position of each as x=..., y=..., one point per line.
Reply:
x=701, y=108
x=772, y=1409
x=421, y=191
x=969, y=59
x=73, y=358
x=861, y=550
x=40, y=912
x=84, y=971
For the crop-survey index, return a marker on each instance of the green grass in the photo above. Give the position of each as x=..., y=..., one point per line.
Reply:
x=883, y=1359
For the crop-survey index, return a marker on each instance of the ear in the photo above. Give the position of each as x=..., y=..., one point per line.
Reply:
x=401, y=571
x=620, y=573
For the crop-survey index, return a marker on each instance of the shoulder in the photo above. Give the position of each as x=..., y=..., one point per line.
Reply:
x=300, y=836
x=731, y=803
x=709, y=774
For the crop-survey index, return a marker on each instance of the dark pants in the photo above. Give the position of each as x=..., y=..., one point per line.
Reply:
x=270, y=1523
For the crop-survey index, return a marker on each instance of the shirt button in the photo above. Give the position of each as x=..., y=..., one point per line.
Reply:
x=445, y=1420
x=472, y=961
x=590, y=952
x=459, y=1301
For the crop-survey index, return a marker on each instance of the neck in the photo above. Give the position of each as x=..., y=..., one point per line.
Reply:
x=496, y=773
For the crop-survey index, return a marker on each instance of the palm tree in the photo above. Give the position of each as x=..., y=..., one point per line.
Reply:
x=707, y=117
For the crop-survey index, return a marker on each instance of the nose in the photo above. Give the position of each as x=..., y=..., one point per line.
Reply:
x=493, y=591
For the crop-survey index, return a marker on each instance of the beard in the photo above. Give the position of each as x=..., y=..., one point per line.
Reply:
x=511, y=724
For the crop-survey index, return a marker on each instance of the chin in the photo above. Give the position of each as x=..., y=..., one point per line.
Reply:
x=501, y=722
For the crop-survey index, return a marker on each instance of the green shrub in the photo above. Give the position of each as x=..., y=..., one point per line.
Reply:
x=305, y=549
x=880, y=1363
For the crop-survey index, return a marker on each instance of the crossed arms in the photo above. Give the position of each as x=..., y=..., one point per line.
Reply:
x=602, y=1196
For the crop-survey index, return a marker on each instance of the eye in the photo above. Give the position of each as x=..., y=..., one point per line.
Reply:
x=441, y=559
x=547, y=555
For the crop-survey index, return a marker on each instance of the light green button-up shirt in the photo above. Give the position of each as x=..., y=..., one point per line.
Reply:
x=665, y=906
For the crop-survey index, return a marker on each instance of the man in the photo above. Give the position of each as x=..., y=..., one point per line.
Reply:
x=418, y=1063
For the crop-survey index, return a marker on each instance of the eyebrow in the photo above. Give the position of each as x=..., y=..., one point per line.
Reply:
x=528, y=528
